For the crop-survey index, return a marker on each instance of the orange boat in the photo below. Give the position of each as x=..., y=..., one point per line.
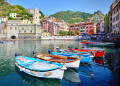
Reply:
x=71, y=62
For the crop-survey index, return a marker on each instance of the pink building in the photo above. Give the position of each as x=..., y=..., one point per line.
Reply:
x=31, y=11
x=45, y=24
x=115, y=17
x=53, y=28
x=87, y=27
x=100, y=27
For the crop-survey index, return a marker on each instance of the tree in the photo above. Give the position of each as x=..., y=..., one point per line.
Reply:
x=72, y=32
x=78, y=32
x=11, y=18
x=61, y=32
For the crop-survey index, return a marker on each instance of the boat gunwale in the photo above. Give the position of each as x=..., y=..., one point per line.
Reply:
x=75, y=59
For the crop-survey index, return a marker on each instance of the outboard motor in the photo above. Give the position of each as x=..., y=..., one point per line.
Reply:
x=57, y=48
x=49, y=51
x=83, y=48
x=17, y=54
x=76, y=47
x=69, y=47
x=34, y=52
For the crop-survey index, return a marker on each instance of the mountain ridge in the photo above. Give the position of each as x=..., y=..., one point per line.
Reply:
x=77, y=16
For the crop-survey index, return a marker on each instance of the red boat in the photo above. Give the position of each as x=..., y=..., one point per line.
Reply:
x=98, y=60
x=95, y=53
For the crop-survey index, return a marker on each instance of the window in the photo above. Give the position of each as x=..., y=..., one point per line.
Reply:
x=19, y=31
x=36, y=17
x=81, y=27
x=22, y=28
x=31, y=31
x=10, y=28
x=15, y=28
x=24, y=31
x=116, y=25
x=90, y=27
x=77, y=28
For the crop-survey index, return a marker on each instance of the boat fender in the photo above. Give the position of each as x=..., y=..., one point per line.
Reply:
x=17, y=54
x=48, y=73
x=34, y=52
x=49, y=51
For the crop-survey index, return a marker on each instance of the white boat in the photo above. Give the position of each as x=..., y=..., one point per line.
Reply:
x=70, y=62
x=40, y=68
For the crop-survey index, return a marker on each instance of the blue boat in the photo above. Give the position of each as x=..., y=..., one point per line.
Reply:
x=40, y=68
x=85, y=58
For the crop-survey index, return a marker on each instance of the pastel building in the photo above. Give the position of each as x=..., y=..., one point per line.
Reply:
x=53, y=26
x=14, y=15
x=87, y=27
x=25, y=28
x=100, y=27
x=36, y=15
x=27, y=21
x=45, y=24
x=31, y=11
x=3, y=19
x=115, y=17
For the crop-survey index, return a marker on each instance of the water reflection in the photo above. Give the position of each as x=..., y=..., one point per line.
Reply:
x=34, y=81
x=93, y=74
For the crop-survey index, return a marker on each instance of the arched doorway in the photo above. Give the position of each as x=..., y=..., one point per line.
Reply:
x=13, y=37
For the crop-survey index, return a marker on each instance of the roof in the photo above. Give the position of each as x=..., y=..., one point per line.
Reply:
x=36, y=8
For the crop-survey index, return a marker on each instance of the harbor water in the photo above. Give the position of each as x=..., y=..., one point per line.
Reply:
x=99, y=73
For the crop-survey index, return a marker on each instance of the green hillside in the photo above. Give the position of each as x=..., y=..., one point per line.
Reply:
x=76, y=17
x=5, y=9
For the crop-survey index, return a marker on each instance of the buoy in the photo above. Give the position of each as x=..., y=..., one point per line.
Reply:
x=34, y=52
x=17, y=54
x=49, y=51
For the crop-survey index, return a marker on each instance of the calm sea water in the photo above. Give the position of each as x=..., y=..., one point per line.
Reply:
x=96, y=74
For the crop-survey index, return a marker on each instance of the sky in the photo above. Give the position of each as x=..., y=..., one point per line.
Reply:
x=49, y=7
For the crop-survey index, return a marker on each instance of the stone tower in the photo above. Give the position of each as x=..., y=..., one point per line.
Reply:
x=36, y=15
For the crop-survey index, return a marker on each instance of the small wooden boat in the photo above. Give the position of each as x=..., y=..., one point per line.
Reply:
x=85, y=58
x=95, y=52
x=102, y=44
x=71, y=62
x=40, y=68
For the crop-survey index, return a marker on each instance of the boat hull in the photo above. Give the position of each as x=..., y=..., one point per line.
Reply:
x=74, y=64
x=101, y=45
x=56, y=74
x=70, y=62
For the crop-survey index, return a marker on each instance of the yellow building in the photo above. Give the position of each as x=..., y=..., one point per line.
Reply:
x=27, y=21
x=95, y=29
x=46, y=34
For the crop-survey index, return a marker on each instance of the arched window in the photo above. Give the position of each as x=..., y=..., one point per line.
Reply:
x=15, y=28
